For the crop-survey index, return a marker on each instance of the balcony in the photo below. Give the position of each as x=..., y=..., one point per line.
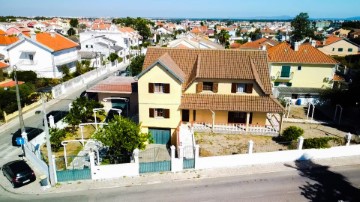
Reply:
x=284, y=76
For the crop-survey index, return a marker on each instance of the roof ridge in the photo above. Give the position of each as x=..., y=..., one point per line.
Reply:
x=256, y=76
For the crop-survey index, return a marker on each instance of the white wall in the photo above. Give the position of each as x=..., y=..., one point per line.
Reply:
x=274, y=157
x=115, y=171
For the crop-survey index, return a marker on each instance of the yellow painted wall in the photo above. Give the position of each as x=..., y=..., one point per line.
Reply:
x=224, y=87
x=169, y=101
x=221, y=117
x=328, y=50
x=310, y=76
x=259, y=118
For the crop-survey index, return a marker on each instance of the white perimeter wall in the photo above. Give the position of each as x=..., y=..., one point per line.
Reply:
x=114, y=171
x=274, y=157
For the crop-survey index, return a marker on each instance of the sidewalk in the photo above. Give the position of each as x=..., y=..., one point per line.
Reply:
x=167, y=177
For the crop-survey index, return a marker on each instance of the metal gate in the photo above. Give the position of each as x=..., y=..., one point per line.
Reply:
x=156, y=158
x=160, y=135
x=188, y=157
x=73, y=168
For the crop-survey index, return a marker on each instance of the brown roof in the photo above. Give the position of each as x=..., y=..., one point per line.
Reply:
x=166, y=60
x=114, y=84
x=257, y=44
x=231, y=103
x=307, y=54
x=216, y=64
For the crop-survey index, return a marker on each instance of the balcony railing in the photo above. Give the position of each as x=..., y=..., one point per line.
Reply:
x=284, y=77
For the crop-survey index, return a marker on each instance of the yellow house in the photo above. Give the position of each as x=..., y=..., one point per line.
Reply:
x=209, y=87
x=300, y=72
x=339, y=46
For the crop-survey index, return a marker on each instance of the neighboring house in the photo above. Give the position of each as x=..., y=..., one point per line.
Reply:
x=102, y=44
x=341, y=32
x=300, y=72
x=196, y=42
x=43, y=53
x=2, y=67
x=262, y=43
x=17, y=30
x=123, y=88
x=222, y=87
x=339, y=46
x=6, y=41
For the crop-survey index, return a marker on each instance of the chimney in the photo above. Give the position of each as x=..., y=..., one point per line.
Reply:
x=52, y=33
x=296, y=46
x=313, y=43
x=249, y=39
x=33, y=35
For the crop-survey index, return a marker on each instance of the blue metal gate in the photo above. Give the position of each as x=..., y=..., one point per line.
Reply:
x=77, y=168
x=73, y=175
x=188, y=157
x=160, y=135
x=155, y=159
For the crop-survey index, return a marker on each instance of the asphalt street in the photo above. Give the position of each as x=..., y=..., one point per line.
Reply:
x=312, y=184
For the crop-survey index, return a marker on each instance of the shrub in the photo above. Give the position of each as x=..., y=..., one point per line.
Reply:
x=56, y=136
x=320, y=142
x=26, y=76
x=292, y=133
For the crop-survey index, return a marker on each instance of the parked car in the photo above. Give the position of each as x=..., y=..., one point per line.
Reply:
x=18, y=173
x=31, y=134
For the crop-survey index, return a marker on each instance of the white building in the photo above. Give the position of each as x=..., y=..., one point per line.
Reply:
x=44, y=53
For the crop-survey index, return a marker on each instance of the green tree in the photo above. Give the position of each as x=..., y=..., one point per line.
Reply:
x=224, y=37
x=202, y=23
x=141, y=25
x=71, y=32
x=56, y=137
x=122, y=136
x=302, y=27
x=74, y=22
x=112, y=57
x=136, y=65
x=26, y=76
x=81, y=111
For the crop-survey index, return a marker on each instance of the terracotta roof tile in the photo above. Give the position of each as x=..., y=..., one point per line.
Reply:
x=114, y=84
x=55, y=43
x=3, y=65
x=2, y=32
x=259, y=43
x=231, y=103
x=306, y=54
x=10, y=84
x=216, y=64
x=7, y=40
x=332, y=39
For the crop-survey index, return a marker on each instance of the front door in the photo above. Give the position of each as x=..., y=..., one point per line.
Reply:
x=237, y=117
x=185, y=115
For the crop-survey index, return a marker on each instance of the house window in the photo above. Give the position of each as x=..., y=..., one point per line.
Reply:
x=240, y=88
x=87, y=46
x=276, y=83
x=340, y=49
x=91, y=46
x=299, y=68
x=31, y=57
x=159, y=113
x=159, y=88
x=333, y=49
x=294, y=96
x=350, y=49
x=285, y=72
x=208, y=86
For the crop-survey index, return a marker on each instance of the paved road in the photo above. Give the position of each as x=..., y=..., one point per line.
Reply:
x=7, y=151
x=316, y=184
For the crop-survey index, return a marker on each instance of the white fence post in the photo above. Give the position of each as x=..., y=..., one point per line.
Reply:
x=92, y=164
x=348, y=139
x=181, y=152
x=251, y=146
x=172, y=147
x=300, y=143
x=54, y=167
x=52, y=121
x=197, y=151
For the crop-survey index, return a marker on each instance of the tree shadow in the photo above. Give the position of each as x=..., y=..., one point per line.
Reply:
x=325, y=185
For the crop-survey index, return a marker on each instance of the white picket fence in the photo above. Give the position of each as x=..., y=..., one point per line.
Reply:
x=235, y=128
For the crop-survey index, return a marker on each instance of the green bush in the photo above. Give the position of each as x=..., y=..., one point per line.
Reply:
x=26, y=76
x=320, y=142
x=56, y=136
x=292, y=133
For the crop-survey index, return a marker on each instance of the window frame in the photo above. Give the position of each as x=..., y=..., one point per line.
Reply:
x=208, y=86
x=340, y=49
x=350, y=50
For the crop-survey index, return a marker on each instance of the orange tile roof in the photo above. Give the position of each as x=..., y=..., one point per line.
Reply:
x=55, y=43
x=332, y=39
x=283, y=53
x=10, y=84
x=257, y=44
x=216, y=64
x=3, y=65
x=7, y=40
x=181, y=46
x=2, y=32
x=231, y=103
x=235, y=45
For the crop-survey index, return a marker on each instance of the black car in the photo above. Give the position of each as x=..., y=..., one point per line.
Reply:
x=18, y=173
x=31, y=134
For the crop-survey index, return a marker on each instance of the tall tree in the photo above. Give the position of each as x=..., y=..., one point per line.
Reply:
x=136, y=65
x=302, y=27
x=224, y=37
x=71, y=31
x=122, y=136
x=74, y=22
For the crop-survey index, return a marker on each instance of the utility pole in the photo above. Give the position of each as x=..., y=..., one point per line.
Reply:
x=21, y=120
x=48, y=145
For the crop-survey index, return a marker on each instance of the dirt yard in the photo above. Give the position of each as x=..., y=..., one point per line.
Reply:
x=229, y=144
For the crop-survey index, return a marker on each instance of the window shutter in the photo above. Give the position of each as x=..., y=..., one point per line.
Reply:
x=233, y=88
x=166, y=113
x=215, y=87
x=199, y=87
x=151, y=112
x=249, y=88
x=151, y=88
x=166, y=88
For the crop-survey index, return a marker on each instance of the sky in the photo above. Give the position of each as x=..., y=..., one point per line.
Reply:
x=181, y=8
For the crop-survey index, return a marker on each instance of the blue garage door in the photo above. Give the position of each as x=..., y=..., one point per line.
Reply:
x=160, y=135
